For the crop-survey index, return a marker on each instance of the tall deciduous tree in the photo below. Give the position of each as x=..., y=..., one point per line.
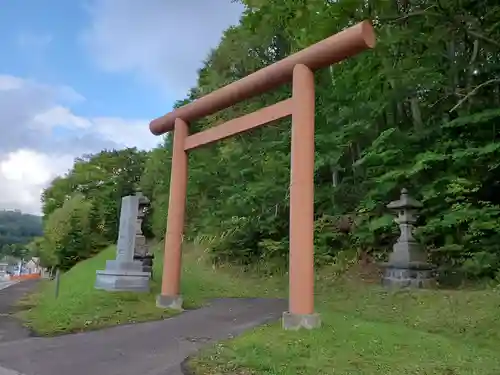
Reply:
x=68, y=233
x=103, y=179
x=419, y=111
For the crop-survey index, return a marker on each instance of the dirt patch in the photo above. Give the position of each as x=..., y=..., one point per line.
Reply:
x=365, y=271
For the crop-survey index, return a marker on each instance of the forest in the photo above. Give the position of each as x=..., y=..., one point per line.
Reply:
x=420, y=111
x=16, y=231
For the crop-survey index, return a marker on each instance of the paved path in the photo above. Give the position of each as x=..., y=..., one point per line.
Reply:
x=10, y=329
x=153, y=348
x=5, y=284
x=12, y=291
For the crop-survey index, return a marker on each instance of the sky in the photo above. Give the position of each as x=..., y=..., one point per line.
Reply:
x=83, y=75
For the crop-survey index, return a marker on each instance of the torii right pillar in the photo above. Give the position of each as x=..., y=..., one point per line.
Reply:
x=301, y=268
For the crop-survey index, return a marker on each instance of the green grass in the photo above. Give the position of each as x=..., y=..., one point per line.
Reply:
x=80, y=307
x=366, y=329
x=369, y=331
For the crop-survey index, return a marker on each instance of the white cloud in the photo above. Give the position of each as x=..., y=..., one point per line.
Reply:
x=162, y=41
x=42, y=136
x=130, y=133
x=61, y=116
x=8, y=83
x=23, y=176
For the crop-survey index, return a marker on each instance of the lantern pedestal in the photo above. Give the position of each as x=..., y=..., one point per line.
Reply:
x=407, y=265
x=411, y=275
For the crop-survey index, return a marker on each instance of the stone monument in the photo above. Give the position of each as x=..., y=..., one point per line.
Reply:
x=407, y=265
x=124, y=273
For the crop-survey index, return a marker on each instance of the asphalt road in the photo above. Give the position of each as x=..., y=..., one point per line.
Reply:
x=10, y=293
x=5, y=284
x=153, y=348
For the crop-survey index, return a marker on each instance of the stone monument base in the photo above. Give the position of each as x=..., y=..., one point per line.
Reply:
x=123, y=276
x=410, y=275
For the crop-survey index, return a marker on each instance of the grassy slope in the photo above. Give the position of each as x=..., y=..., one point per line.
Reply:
x=81, y=307
x=369, y=331
x=366, y=329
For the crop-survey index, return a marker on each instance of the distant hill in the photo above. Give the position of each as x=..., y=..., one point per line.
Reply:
x=17, y=229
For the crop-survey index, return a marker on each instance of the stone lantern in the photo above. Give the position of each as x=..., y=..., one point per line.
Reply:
x=143, y=206
x=141, y=250
x=407, y=265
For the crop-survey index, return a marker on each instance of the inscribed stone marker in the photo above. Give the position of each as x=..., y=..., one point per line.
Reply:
x=126, y=235
x=124, y=273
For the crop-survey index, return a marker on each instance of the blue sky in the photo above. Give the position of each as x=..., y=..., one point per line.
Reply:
x=82, y=75
x=44, y=42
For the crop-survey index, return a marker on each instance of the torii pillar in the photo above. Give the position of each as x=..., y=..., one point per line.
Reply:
x=298, y=69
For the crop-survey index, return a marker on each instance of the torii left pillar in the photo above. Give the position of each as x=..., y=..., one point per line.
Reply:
x=170, y=297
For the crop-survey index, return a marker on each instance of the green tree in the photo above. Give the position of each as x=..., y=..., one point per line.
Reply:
x=420, y=111
x=16, y=230
x=102, y=179
x=68, y=234
x=157, y=188
x=39, y=247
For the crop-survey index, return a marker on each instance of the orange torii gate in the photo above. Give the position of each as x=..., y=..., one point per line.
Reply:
x=297, y=68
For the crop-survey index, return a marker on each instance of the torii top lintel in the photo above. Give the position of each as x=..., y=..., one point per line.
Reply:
x=338, y=47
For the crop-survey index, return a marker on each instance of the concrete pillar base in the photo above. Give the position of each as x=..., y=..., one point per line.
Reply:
x=293, y=322
x=169, y=302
